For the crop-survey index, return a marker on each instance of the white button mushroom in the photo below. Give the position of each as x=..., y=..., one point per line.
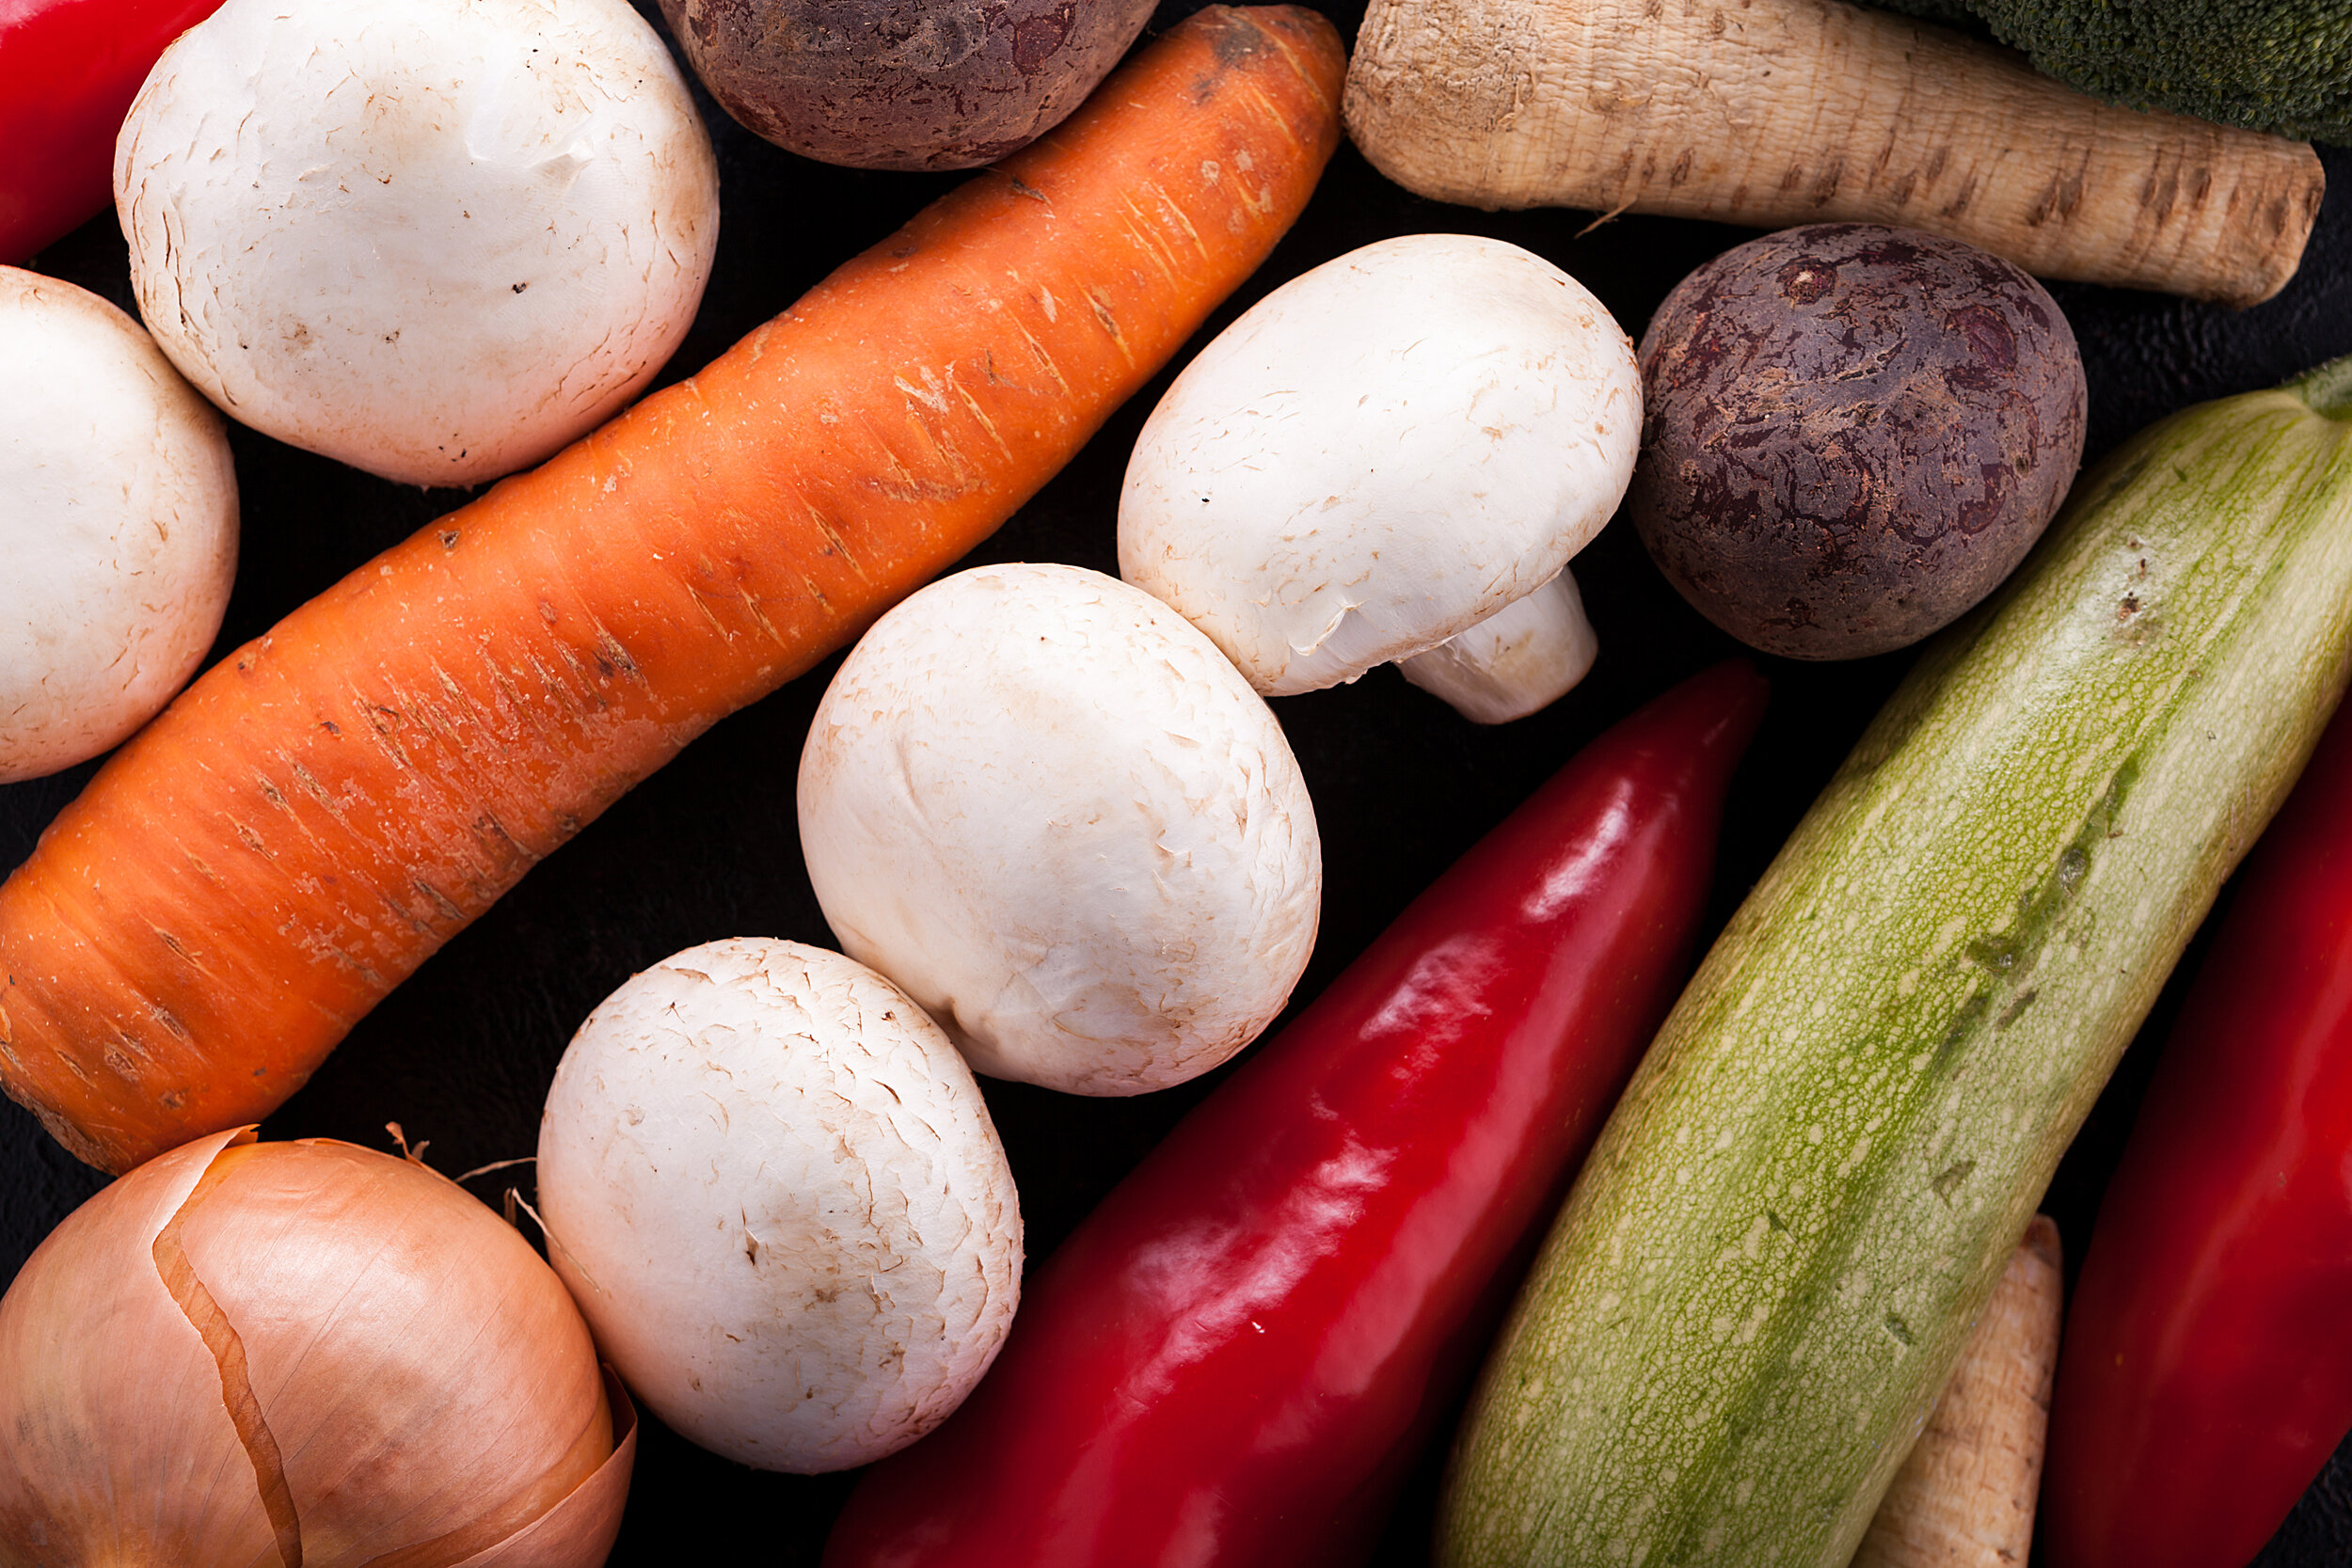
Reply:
x=434, y=239
x=1053, y=812
x=120, y=531
x=775, y=1190
x=1381, y=453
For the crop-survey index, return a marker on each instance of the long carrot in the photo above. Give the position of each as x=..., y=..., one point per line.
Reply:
x=322, y=810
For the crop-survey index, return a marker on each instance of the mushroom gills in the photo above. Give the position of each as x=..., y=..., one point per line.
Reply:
x=1524, y=657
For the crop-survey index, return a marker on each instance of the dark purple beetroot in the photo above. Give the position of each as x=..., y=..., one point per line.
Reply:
x=904, y=84
x=1852, y=433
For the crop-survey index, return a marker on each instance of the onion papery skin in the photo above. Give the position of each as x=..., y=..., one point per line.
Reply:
x=300, y=1355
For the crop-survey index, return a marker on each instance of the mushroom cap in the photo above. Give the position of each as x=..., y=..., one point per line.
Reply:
x=1047, y=806
x=120, y=532
x=434, y=239
x=1381, y=453
x=775, y=1190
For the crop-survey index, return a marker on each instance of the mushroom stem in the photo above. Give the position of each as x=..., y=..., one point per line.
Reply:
x=1522, y=658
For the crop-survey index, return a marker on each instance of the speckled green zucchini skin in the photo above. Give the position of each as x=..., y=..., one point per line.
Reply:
x=1769, y=1264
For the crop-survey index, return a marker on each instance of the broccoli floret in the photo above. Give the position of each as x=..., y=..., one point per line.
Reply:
x=2268, y=65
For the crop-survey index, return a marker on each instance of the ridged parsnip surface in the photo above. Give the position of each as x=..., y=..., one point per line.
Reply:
x=1780, y=111
x=1771, y=1260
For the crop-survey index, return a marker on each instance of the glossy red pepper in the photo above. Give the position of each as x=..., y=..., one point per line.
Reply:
x=1238, y=1353
x=2205, y=1374
x=68, y=70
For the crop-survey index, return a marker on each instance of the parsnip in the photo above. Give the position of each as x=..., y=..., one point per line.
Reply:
x=1777, y=111
x=1965, y=1496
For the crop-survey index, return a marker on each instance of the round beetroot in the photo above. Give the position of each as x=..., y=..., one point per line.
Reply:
x=904, y=84
x=1852, y=433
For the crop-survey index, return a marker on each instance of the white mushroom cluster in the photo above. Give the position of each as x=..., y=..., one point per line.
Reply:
x=1379, y=456
x=120, y=532
x=1050, y=810
x=775, y=1190
x=434, y=239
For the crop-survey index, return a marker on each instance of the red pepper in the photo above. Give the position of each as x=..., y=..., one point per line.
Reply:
x=1235, y=1355
x=2205, y=1374
x=68, y=70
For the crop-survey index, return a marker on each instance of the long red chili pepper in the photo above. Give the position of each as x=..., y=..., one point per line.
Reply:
x=1239, y=1351
x=68, y=70
x=2205, y=1374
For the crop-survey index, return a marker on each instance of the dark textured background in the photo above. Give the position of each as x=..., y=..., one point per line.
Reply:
x=463, y=1052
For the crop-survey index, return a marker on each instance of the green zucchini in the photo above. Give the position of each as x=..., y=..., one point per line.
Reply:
x=1770, y=1262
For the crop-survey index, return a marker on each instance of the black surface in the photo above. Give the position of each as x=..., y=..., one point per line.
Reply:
x=463, y=1052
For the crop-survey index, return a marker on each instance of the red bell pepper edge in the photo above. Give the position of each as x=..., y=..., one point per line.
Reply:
x=2205, y=1374
x=1238, y=1353
x=68, y=70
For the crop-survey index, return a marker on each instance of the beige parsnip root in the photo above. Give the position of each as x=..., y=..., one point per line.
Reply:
x=1772, y=113
x=1965, y=1496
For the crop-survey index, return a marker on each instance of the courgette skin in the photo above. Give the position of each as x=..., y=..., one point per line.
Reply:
x=1771, y=1262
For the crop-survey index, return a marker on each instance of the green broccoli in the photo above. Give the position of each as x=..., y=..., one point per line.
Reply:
x=2268, y=65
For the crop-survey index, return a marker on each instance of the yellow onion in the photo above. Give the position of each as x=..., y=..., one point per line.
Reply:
x=300, y=1355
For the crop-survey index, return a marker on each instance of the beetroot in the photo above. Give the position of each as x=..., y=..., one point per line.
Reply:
x=1852, y=433
x=904, y=84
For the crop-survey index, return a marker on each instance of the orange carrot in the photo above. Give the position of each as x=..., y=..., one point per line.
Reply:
x=322, y=810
